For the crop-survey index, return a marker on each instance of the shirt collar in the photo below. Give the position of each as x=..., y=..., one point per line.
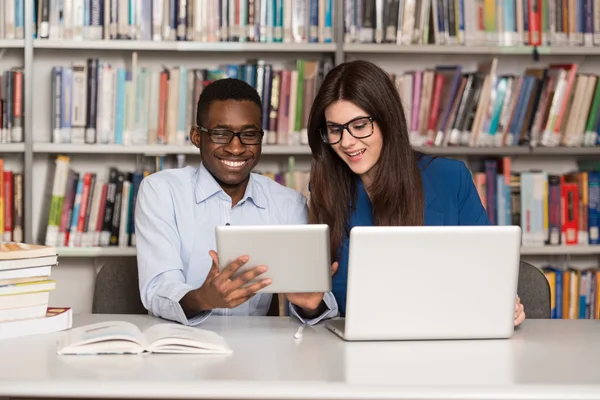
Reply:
x=207, y=186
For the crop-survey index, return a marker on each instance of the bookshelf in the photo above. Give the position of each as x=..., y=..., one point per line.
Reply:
x=215, y=47
x=85, y=252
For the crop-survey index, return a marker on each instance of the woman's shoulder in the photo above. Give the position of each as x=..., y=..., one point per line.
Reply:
x=441, y=169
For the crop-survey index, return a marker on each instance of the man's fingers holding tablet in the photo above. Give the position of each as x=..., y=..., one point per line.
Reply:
x=247, y=292
x=232, y=268
x=248, y=276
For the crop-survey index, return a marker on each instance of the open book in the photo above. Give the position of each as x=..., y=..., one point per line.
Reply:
x=120, y=337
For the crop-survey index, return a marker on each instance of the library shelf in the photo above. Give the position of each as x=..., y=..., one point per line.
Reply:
x=111, y=251
x=12, y=148
x=148, y=45
x=474, y=151
x=566, y=151
x=12, y=44
x=560, y=250
x=476, y=50
x=149, y=150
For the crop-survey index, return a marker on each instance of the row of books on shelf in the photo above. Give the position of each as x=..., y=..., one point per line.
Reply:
x=286, y=21
x=12, y=19
x=11, y=105
x=82, y=209
x=574, y=293
x=552, y=209
x=11, y=205
x=472, y=22
x=546, y=106
x=25, y=287
x=94, y=102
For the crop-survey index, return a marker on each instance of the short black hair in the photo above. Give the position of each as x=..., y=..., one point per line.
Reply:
x=225, y=89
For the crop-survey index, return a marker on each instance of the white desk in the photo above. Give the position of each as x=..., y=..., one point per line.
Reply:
x=545, y=360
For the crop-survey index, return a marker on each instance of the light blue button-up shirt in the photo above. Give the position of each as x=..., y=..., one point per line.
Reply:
x=176, y=214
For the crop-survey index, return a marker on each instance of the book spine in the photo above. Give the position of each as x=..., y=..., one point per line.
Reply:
x=8, y=206
x=18, y=231
x=105, y=235
x=18, y=104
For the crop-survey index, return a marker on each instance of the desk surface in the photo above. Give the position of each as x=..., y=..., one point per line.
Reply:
x=546, y=359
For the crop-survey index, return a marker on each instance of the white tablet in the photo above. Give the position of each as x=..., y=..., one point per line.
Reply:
x=297, y=256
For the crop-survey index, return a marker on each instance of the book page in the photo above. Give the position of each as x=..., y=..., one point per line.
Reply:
x=175, y=338
x=111, y=337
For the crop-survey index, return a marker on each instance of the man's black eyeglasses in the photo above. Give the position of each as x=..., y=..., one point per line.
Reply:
x=359, y=128
x=225, y=136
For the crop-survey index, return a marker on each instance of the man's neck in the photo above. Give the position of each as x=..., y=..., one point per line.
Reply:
x=236, y=192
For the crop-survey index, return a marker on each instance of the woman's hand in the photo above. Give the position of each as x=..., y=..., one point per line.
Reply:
x=309, y=302
x=519, y=312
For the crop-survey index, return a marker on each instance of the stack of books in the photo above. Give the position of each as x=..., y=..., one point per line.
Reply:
x=25, y=287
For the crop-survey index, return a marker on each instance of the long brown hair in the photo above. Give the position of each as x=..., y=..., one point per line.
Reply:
x=396, y=193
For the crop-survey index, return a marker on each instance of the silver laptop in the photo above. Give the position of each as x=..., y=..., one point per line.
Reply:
x=431, y=282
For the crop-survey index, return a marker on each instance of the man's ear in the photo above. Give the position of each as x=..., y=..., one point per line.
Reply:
x=195, y=136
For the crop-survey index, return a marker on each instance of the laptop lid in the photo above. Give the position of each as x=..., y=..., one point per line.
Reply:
x=432, y=282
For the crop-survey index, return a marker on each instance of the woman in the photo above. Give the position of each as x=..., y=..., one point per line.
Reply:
x=362, y=156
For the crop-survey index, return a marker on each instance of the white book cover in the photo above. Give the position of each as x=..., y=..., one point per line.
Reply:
x=153, y=112
x=166, y=23
x=78, y=19
x=224, y=27
x=79, y=103
x=9, y=19
x=67, y=19
x=157, y=19
x=199, y=6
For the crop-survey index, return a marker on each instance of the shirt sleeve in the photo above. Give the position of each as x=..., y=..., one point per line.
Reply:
x=298, y=215
x=161, y=278
x=470, y=208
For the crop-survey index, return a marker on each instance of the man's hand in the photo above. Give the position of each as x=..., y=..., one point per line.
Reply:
x=220, y=290
x=519, y=312
x=309, y=302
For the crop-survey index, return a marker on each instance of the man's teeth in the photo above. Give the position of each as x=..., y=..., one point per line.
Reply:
x=234, y=164
x=355, y=153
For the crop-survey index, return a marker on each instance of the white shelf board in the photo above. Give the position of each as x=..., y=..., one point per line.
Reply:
x=455, y=49
x=479, y=151
x=131, y=251
x=566, y=151
x=139, y=45
x=12, y=148
x=561, y=250
x=96, y=251
x=149, y=150
x=12, y=44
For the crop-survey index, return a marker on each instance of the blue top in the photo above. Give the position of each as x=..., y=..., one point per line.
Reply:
x=450, y=199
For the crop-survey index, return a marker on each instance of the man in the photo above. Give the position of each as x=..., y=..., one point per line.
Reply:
x=177, y=211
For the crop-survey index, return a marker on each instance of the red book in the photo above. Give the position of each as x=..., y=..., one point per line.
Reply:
x=535, y=22
x=570, y=211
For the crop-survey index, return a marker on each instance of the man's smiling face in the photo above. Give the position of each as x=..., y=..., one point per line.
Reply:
x=231, y=163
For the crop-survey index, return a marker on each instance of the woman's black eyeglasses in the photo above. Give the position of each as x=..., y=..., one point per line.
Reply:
x=359, y=128
x=225, y=136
